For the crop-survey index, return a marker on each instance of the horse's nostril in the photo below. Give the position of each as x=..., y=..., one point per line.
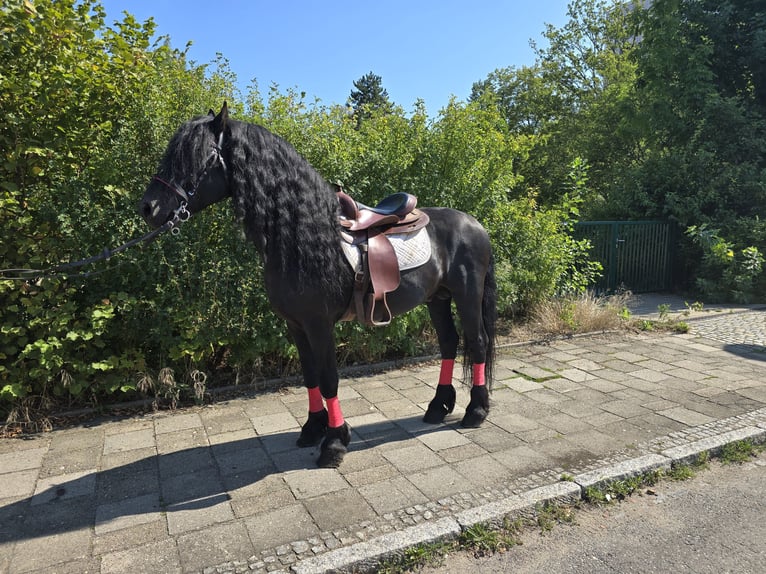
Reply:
x=146, y=209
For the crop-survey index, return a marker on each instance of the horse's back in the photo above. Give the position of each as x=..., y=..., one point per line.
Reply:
x=456, y=233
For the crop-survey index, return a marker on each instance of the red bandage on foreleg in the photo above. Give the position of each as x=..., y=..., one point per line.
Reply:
x=478, y=375
x=445, y=375
x=335, y=417
x=316, y=403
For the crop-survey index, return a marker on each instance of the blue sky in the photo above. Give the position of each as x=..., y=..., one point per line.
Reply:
x=425, y=49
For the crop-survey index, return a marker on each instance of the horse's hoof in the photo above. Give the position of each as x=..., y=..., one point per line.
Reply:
x=474, y=418
x=334, y=446
x=441, y=405
x=478, y=408
x=313, y=430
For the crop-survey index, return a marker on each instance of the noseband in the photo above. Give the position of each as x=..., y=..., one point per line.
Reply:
x=182, y=214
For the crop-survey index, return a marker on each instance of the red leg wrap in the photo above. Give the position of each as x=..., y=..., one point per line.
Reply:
x=335, y=417
x=478, y=375
x=445, y=375
x=315, y=400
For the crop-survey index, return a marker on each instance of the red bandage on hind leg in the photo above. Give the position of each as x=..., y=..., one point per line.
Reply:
x=478, y=375
x=445, y=375
x=335, y=417
x=315, y=400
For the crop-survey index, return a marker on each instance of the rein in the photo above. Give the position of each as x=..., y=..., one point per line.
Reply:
x=180, y=215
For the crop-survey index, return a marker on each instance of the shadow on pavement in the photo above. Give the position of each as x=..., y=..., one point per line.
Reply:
x=192, y=479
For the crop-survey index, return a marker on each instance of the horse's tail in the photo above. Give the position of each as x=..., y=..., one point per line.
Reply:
x=489, y=320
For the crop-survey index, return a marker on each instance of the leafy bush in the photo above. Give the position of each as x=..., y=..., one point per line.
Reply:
x=726, y=274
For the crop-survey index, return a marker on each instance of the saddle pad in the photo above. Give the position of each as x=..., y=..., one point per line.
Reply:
x=412, y=249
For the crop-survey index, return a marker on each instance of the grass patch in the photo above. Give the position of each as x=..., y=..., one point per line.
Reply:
x=580, y=314
x=550, y=514
x=431, y=554
x=621, y=489
x=740, y=451
x=483, y=540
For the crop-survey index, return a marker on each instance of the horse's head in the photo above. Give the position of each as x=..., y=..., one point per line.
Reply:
x=192, y=173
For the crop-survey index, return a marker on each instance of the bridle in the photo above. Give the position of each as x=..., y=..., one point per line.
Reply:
x=182, y=214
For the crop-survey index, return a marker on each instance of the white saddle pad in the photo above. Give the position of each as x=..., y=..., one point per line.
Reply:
x=412, y=250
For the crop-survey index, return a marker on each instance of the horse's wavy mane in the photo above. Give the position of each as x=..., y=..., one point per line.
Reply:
x=287, y=209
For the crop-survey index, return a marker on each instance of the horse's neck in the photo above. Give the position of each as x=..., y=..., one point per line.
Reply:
x=288, y=209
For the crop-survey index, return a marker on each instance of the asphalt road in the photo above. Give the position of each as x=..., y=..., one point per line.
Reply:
x=713, y=523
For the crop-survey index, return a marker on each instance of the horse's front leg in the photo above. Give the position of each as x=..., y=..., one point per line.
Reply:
x=316, y=347
x=315, y=427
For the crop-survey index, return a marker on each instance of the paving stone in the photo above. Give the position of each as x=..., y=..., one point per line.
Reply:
x=625, y=408
x=57, y=462
x=197, y=513
x=547, y=396
x=64, y=487
x=177, y=422
x=129, y=537
x=225, y=420
x=185, y=461
x=443, y=439
x=18, y=484
x=131, y=440
x=273, y=423
x=25, y=459
x=127, y=513
x=315, y=482
x=49, y=551
x=338, y=509
x=282, y=526
x=242, y=460
x=522, y=459
x=480, y=471
x=412, y=458
x=514, y=423
x=440, y=482
x=686, y=416
x=192, y=485
x=149, y=558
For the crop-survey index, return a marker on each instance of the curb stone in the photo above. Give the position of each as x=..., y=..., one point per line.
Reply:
x=365, y=555
x=622, y=470
x=686, y=454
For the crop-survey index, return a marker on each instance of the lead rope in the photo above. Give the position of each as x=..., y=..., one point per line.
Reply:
x=180, y=216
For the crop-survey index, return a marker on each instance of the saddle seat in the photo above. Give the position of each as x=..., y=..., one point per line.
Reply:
x=367, y=228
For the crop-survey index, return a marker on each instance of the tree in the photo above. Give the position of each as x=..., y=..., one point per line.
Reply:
x=575, y=100
x=369, y=96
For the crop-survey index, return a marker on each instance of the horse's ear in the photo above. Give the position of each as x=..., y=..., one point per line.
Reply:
x=211, y=113
x=221, y=120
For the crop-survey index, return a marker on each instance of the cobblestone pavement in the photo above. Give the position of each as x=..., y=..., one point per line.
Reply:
x=222, y=488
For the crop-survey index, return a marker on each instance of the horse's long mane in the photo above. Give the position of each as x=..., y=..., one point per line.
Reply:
x=286, y=207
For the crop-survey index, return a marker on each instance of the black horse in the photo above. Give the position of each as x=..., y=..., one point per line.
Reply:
x=292, y=216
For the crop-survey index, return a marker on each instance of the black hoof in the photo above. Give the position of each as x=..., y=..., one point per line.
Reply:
x=334, y=447
x=441, y=405
x=478, y=408
x=313, y=429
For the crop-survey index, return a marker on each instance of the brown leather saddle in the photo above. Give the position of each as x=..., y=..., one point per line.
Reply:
x=368, y=228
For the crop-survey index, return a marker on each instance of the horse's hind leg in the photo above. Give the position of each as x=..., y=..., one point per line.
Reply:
x=444, y=401
x=469, y=306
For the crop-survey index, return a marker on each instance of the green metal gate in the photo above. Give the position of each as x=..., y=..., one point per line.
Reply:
x=636, y=255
